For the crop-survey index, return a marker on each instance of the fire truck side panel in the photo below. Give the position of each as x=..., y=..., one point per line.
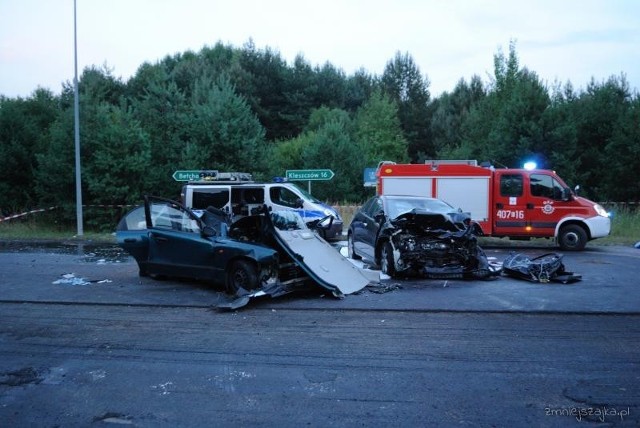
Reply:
x=408, y=186
x=470, y=194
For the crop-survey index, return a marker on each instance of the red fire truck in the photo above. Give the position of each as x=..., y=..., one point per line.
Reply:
x=514, y=203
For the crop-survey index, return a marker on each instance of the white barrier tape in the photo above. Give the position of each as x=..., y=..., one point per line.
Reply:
x=11, y=217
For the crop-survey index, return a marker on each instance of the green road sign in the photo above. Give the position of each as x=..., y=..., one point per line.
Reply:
x=309, y=174
x=187, y=175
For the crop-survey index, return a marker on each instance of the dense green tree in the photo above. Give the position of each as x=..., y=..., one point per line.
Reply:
x=404, y=83
x=114, y=156
x=330, y=146
x=506, y=125
x=561, y=134
x=358, y=89
x=24, y=124
x=222, y=132
x=286, y=154
x=246, y=109
x=622, y=156
x=598, y=113
x=265, y=86
x=450, y=110
x=116, y=173
x=55, y=164
x=162, y=110
x=378, y=133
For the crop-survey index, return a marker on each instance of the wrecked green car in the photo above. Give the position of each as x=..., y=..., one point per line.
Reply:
x=270, y=253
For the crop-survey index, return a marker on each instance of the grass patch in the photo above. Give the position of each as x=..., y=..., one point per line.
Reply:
x=625, y=228
x=41, y=228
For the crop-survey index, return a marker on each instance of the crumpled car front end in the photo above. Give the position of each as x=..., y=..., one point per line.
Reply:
x=435, y=245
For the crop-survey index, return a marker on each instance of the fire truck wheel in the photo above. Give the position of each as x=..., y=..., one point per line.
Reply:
x=386, y=260
x=572, y=238
x=351, y=249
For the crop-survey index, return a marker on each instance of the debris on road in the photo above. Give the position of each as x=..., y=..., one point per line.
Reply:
x=72, y=279
x=543, y=269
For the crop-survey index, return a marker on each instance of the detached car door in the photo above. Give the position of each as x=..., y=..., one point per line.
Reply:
x=176, y=244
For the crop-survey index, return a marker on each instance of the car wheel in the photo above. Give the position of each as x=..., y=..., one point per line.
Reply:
x=351, y=249
x=241, y=275
x=572, y=238
x=386, y=260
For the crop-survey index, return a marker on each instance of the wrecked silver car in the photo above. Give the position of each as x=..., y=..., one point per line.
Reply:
x=410, y=234
x=271, y=253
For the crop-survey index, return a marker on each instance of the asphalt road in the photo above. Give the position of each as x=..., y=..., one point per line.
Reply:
x=121, y=350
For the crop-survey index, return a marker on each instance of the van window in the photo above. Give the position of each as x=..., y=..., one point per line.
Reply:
x=545, y=186
x=245, y=200
x=511, y=185
x=253, y=196
x=216, y=198
x=283, y=196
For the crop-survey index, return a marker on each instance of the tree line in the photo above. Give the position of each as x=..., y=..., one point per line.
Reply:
x=247, y=109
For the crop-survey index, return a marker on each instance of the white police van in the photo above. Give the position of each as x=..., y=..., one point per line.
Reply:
x=237, y=194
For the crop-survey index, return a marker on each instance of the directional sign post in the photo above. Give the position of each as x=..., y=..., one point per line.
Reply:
x=309, y=175
x=186, y=175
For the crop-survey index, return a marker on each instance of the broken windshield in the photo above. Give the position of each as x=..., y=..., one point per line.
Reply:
x=400, y=205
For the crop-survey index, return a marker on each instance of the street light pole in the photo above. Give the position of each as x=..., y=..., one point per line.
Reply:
x=76, y=120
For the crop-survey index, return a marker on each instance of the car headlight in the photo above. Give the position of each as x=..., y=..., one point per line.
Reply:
x=600, y=210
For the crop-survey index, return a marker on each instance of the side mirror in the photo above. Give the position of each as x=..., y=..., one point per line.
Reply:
x=575, y=189
x=299, y=203
x=379, y=216
x=566, y=194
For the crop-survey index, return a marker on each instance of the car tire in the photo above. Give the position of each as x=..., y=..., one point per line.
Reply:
x=351, y=249
x=572, y=238
x=241, y=275
x=387, y=262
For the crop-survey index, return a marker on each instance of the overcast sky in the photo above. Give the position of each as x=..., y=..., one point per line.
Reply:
x=450, y=39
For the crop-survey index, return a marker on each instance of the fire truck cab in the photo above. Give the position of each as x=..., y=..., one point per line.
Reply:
x=514, y=203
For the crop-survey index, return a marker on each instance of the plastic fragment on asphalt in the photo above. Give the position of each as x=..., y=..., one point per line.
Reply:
x=72, y=279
